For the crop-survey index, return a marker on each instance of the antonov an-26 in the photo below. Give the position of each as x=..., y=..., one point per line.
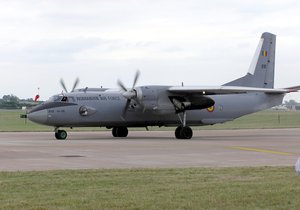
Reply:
x=180, y=106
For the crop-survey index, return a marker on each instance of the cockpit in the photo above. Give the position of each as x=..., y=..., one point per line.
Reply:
x=61, y=98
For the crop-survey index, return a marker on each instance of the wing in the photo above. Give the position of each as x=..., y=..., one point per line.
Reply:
x=221, y=90
x=197, y=97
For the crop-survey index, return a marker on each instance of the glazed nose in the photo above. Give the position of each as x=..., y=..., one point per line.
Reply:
x=38, y=116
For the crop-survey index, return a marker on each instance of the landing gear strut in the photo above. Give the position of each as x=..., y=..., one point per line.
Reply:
x=60, y=134
x=119, y=132
x=183, y=131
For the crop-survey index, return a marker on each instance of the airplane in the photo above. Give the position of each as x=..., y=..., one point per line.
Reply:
x=180, y=106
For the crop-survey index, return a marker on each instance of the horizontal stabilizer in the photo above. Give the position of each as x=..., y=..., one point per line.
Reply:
x=293, y=89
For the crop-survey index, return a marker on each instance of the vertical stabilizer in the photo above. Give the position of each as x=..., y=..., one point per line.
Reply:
x=261, y=70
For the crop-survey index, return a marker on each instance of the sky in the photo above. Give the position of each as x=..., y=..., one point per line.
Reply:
x=170, y=41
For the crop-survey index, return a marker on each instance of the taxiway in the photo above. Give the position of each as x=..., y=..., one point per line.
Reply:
x=141, y=149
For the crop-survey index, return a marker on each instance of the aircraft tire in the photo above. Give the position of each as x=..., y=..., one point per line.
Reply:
x=177, y=132
x=183, y=132
x=119, y=132
x=122, y=131
x=186, y=132
x=114, y=132
x=61, y=135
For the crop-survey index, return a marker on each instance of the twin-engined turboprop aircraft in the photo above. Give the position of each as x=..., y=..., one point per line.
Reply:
x=180, y=106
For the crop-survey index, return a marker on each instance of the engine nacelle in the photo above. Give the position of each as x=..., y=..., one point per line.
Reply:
x=191, y=103
x=147, y=97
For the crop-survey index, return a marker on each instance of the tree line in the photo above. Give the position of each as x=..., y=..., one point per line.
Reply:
x=13, y=102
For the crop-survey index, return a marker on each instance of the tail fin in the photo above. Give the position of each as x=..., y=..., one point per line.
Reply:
x=261, y=70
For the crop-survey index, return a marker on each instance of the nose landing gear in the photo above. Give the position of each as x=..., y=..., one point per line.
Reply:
x=60, y=134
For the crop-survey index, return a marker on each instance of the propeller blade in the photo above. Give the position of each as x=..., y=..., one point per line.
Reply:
x=62, y=83
x=122, y=86
x=136, y=77
x=75, y=84
x=125, y=109
x=130, y=94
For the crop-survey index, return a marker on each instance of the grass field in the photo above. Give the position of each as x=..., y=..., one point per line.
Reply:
x=10, y=121
x=191, y=188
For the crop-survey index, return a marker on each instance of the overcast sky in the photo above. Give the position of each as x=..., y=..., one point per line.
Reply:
x=171, y=41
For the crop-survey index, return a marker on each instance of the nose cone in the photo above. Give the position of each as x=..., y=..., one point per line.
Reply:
x=38, y=116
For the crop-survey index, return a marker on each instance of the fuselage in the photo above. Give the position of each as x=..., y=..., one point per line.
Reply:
x=105, y=107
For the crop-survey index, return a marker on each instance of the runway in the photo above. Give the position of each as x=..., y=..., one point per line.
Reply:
x=28, y=151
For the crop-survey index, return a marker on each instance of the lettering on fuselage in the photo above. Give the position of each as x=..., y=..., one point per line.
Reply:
x=96, y=98
x=91, y=98
x=109, y=98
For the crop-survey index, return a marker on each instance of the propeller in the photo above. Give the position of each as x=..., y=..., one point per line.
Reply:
x=62, y=83
x=129, y=94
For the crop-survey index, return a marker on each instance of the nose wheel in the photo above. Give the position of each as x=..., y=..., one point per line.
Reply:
x=60, y=134
x=183, y=131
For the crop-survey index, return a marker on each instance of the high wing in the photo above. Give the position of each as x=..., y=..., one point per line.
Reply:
x=221, y=90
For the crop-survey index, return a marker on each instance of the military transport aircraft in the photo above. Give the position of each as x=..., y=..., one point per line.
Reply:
x=180, y=106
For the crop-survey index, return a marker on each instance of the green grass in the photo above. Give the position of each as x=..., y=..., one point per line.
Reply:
x=10, y=121
x=191, y=188
x=263, y=119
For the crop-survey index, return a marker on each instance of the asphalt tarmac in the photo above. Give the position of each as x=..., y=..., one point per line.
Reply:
x=28, y=151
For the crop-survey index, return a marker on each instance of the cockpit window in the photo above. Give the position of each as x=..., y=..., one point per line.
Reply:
x=64, y=99
x=54, y=98
x=58, y=98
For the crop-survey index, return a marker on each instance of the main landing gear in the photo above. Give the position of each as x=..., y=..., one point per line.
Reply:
x=119, y=132
x=183, y=131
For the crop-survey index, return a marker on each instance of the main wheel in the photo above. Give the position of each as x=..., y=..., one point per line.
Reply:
x=183, y=132
x=119, y=132
x=177, y=132
x=61, y=135
x=186, y=133
x=114, y=132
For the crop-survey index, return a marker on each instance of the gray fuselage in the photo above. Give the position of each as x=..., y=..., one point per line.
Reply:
x=104, y=107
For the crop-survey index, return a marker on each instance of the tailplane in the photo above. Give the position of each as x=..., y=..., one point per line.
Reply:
x=261, y=70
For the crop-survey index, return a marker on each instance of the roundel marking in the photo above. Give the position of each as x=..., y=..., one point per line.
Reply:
x=210, y=109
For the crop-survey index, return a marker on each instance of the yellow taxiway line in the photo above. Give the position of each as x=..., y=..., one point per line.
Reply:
x=262, y=150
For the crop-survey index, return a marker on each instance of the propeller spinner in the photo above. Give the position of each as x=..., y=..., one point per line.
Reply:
x=129, y=94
